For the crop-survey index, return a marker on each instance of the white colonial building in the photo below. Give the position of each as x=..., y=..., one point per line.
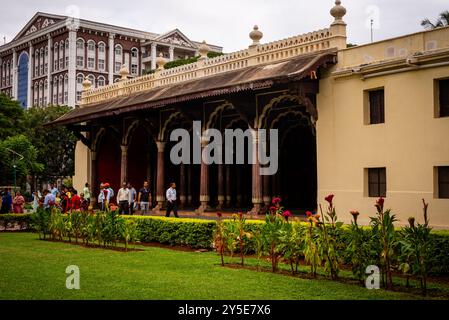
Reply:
x=51, y=56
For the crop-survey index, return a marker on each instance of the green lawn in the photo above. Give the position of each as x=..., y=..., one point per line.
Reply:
x=33, y=269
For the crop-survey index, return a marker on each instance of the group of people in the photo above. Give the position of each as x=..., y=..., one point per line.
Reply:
x=130, y=201
x=67, y=199
x=10, y=204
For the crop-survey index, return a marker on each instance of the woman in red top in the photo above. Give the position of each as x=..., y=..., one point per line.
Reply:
x=76, y=201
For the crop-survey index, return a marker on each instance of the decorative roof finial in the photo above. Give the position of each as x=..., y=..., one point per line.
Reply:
x=87, y=85
x=338, y=12
x=124, y=72
x=256, y=36
x=160, y=62
x=204, y=49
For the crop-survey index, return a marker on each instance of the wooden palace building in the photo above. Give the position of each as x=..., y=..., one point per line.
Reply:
x=361, y=123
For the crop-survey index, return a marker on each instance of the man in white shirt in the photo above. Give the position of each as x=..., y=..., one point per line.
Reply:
x=132, y=198
x=123, y=199
x=171, y=201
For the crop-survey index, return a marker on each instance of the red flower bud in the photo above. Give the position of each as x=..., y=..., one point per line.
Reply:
x=309, y=214
x=287, y=214
x=330, y=199
x=219, y=214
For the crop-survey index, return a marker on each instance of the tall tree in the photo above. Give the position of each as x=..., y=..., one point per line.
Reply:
x=442, y=21
x=17, y=151
x=55, y=145
x=11, y=117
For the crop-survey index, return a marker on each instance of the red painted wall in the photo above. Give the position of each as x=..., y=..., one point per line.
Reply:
x=108, y=163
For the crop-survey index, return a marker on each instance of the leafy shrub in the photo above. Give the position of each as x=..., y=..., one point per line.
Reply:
x=194, y=233
x=23, y=221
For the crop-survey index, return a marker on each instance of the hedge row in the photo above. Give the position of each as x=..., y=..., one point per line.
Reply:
x=194, y=233
x=13, y=221
x=198, y=234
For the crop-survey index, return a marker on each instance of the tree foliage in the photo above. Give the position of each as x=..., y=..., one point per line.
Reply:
x=11, y=117
x=442, y=21
x=55, y=141
x=28, y=165
x=48, y=151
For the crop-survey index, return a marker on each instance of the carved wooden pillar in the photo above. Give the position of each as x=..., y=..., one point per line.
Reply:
x=204, y=186
x=266, y=190
x=160, y=183
x=148, y=175
x=124, y=165
x=221, y=190
x=182, y=186
x=238, y=190
x=189, y=186
x=93, y=178
x=257, y=180
x=228, y=186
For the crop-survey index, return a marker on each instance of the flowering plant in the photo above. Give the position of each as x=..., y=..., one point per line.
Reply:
x=219, y=240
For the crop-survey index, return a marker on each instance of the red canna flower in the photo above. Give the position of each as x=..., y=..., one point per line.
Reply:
x=330, y=199
x=276, y=200
x=287, y=214
x=219, y=214
x=309, y=214
x=380, y=204
x=273, y=209
x=355, y=213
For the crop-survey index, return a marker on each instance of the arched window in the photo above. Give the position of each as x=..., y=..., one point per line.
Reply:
x=66, y=89
x=46, y=60
x=56, y=57
x=101, y=47
x=118, y=58
x=36, y=94
x=91, y=78
x=80, y=53
x=22, y=83
x=101, y=81
x=134, y=53
x=101, y=56
x=55, y=90
x=118, y=50
x=80, y=44
x=46, y=92
x=91, y=45
x=91, y=54
x=61, y=55
x=37, y=54
x=80, y=78
x=67, y=44
x=8, y=79
x=60, y=90
x=41, y=93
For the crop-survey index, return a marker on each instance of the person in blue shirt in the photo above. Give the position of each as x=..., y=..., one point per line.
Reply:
x=6, y=202
x=54, y=191
x=49, y=199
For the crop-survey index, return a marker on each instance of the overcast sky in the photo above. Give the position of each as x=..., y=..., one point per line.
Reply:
x=228, y=22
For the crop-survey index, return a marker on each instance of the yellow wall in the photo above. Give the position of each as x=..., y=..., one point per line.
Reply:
x=82, y=167
x=401, y=47
x=410, y=144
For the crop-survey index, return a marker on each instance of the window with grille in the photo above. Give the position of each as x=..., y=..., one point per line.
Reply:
x=443, y=182
x=377, y=182
x=444, y=97
x=377, y=106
